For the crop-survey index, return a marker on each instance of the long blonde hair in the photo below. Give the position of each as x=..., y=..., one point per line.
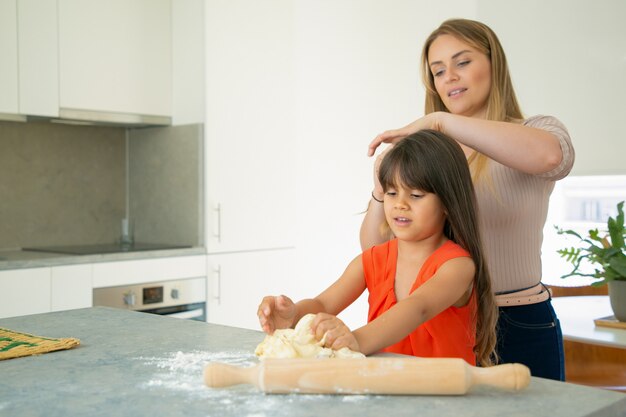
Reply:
x=502, y=103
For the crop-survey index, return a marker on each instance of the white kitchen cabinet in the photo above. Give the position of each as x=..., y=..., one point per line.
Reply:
x=187, y=62
x=24, y=291
x=140, y=271
x=71, y=287
x=250, y=126
x=87, y=59
x=38, y=58
x=8, y=52
x=238, y=282
x=115, y=56
x=118, y=61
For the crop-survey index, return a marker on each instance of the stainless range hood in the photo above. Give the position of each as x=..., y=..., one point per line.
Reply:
x=90, y=117
x=94, y=118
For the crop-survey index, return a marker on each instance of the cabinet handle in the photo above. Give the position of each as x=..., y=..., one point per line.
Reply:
x=217, y=284
x=217, y=230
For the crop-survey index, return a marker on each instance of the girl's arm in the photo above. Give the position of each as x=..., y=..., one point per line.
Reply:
x=276, y=312
x=340, y=294
x=524, y=148
x=450, y=286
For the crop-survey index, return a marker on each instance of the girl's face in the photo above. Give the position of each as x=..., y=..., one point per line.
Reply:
x=414, y=215
x=462, y=76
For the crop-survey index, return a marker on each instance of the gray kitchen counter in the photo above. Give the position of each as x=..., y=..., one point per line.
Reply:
x=19, y=259
x=137, y=364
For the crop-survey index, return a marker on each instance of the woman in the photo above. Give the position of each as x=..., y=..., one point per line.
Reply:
x=514, y=162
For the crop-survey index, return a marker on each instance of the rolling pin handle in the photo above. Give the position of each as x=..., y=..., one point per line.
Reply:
x=510, y=376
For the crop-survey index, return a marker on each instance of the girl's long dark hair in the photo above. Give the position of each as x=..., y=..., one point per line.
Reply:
x=432, y=162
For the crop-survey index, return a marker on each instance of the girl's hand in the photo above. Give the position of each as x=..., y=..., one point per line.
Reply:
x=333, y=332
x=276, y=313
x=430, y=121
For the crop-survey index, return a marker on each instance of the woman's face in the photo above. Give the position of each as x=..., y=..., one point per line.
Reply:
x=462, y=76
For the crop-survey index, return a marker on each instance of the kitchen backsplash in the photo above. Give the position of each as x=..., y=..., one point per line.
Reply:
x=166, y=186
x=67, y=185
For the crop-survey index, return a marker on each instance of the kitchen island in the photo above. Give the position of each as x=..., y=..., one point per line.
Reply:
x=137, y=364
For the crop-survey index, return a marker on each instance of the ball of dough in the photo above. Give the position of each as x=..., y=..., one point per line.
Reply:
x=299, y=342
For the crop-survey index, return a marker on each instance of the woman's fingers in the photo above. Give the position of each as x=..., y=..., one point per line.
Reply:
x=390, y=136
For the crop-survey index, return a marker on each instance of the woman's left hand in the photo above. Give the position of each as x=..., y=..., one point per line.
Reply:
x=333, y=332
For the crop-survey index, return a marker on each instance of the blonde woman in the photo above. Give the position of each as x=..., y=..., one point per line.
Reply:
x=515, y=162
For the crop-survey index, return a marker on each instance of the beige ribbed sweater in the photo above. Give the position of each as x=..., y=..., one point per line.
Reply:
x=513, y=213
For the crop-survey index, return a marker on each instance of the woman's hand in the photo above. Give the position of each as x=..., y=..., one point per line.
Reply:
x=378, y=188
x=276, y=313
x=333, y=332
x=430, y=121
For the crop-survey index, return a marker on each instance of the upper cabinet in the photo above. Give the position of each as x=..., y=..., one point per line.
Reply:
x=115, y=56
x=8, y=52
x=250, y=132
x=38, y=47
x=126, y=62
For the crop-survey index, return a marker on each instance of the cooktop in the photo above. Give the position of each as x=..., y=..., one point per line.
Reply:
x=105, y=248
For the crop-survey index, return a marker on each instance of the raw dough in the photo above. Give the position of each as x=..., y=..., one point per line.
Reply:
x=299, y=343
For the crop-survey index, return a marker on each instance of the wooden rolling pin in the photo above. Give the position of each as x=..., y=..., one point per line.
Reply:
x=386, y=375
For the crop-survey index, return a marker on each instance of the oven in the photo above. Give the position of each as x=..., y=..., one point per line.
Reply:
x=181, y=298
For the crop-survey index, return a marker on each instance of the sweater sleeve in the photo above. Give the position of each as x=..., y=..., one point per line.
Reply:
x=558, y=129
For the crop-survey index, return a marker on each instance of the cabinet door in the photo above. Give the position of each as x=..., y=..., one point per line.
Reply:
x=71, y=287
x=8, y=52
x=115, y=56
x=38, y=50
x=140, y=271
x=24, y=291
x=237, y=283
x=250, y=126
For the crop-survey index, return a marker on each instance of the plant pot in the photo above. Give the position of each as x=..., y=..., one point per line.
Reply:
x=617, y=295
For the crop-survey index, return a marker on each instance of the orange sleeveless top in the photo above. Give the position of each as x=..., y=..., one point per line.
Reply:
x=452, y=333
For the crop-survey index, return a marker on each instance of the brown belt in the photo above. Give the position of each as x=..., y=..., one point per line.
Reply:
x=532, y=295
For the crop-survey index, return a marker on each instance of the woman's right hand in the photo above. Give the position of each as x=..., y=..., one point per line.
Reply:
x=393, y=136
x=276, y=312
x=378, y=188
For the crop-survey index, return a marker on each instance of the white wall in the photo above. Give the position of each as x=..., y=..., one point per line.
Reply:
x=354, y=72
x=357, y=72
x=568, y=59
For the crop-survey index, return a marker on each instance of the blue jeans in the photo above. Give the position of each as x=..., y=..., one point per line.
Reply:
x=531, y=335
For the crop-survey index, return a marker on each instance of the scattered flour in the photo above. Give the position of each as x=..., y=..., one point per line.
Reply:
x=182, y=373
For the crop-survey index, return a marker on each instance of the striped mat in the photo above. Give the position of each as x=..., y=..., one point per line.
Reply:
x=15, y=345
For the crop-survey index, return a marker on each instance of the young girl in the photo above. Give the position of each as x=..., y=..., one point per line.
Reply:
x=429, y=288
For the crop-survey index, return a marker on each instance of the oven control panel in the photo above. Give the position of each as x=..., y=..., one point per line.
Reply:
x=152, y=295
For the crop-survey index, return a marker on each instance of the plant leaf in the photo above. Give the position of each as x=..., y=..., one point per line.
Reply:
x=570, y=254
x=567, y=232
x=618, y=263
x=608, y=258
x=616, y=227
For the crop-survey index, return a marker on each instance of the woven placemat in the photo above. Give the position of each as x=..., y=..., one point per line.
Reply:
x=15, y=344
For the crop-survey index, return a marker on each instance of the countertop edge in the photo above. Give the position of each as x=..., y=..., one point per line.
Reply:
x=64, y=260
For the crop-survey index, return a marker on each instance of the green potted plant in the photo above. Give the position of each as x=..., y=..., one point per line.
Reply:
x=606, y=253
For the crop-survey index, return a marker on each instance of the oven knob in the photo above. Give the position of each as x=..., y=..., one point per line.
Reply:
x=174, y=293
x=129, y=299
